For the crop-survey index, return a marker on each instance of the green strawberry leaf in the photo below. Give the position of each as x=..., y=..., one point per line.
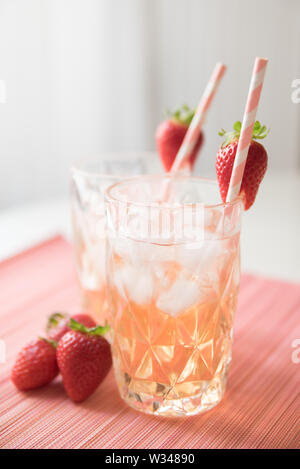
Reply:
x=259, y=132
x=54, y=319
x=237, y=126
x=182, y=115
x=98, y=330
x=49, y=341
x=256, y=126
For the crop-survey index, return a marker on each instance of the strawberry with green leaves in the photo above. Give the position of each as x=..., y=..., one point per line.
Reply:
x=170, y=134
x=256, y=164
x=84, y=359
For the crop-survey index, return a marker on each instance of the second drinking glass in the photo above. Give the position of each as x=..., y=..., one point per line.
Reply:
x=89, y=180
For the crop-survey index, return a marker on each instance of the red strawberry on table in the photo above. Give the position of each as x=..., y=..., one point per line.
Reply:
x=170, y=134
x=256, y=164
x=35, y=366
x=58, y=324
x=84, y=359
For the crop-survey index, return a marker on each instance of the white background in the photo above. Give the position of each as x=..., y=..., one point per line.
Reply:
x=86, y=76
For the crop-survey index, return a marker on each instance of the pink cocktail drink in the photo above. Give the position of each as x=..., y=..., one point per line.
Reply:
x=173, y=292
x=89, y=247
x=89, y=180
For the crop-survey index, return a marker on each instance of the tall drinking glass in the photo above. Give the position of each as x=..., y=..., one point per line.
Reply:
x=88, y=183
x=173, y=277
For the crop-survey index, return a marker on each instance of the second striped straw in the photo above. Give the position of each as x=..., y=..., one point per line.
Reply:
x=254, y=93
x=182, y=160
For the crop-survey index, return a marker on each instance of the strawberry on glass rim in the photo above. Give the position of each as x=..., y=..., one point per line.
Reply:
x=170, y=134
x=256, y=164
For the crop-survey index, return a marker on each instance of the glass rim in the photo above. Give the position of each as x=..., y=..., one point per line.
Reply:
x=78, y=166
x=110, y=198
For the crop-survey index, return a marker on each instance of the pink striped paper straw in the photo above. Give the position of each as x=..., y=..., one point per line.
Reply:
x=182, y=160
x=255, y=88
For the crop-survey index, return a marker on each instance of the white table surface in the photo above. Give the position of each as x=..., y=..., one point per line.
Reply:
x=270, y=233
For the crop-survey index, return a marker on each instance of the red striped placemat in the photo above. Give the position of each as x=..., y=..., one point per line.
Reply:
x=260, y=408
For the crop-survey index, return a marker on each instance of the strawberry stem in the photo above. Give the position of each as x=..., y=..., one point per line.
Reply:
x=259, y=132
x=54, y=319
x=182, y=115
x=98, y=330
x=49, y=341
